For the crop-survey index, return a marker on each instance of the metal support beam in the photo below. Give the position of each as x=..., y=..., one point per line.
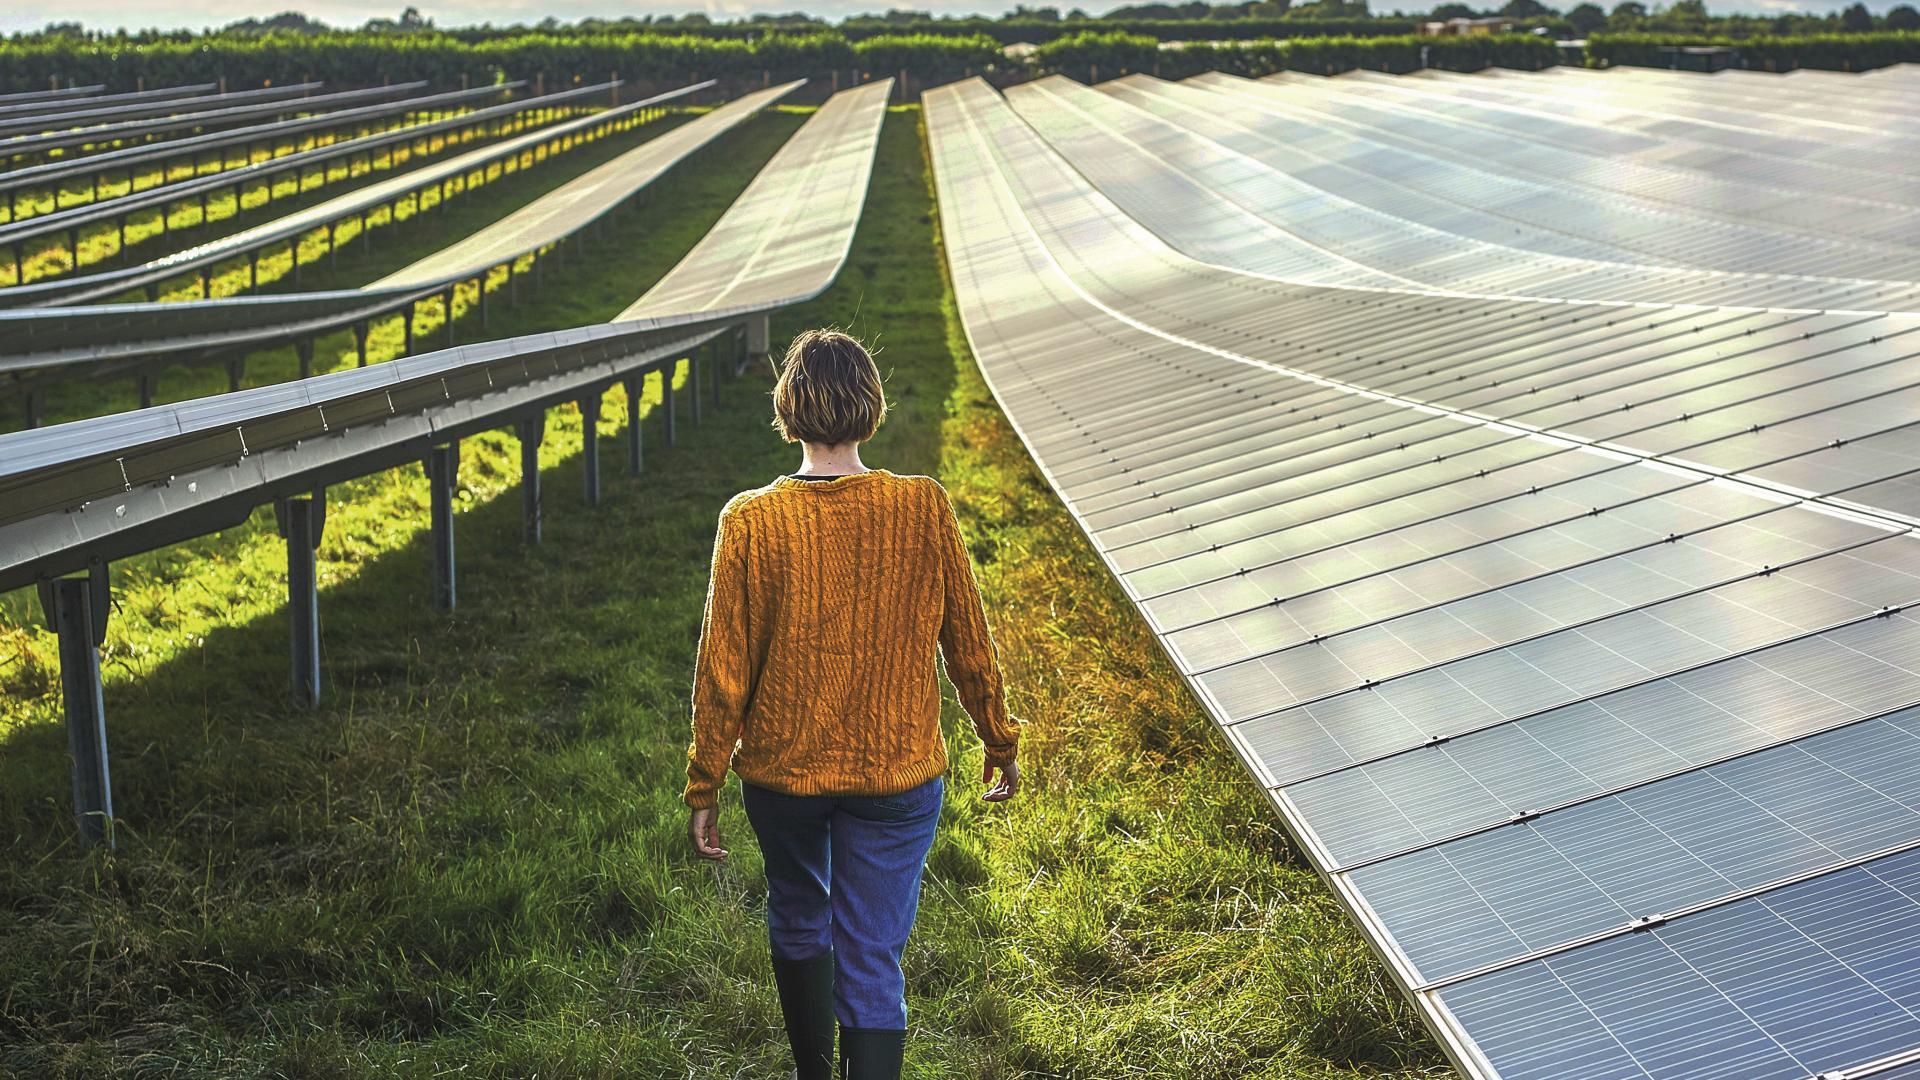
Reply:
x=636, y=458
x=360, y=332
x=236, y=372
x=590, y=444
x=667, y=431
x=531, y=429
x=33, y=406
x=443, y=474
x=301, y=522
x=303, y=348
x=759, y=336
x=695, y=364
x=77, y=610
x=446, y=299
x=480, y=286
x=406, y=324
x=146, y=380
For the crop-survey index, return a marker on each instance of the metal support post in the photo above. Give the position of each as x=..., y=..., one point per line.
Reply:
x=406, y=324
x=77, y=608
x=360, y=332
x=446, y=300
x=531, y=429
x=236, y=371
x=443, y=473
x=301, y=522
x=480, y=286
x=718, y=362
x=667, y=431
x=635, y=457
x=759, y=336
x=303, y=348
x=146, y=380
x=694, y=367
x=590, y=445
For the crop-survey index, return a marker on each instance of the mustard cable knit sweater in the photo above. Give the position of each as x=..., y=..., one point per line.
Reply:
x=815, y=670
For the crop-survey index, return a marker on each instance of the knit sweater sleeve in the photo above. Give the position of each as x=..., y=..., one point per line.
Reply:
x=722, y=678
x=967, y=644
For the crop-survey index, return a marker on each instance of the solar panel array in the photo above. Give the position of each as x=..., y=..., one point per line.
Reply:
x=68, y=491
x=98, y=338
x=1522, y=470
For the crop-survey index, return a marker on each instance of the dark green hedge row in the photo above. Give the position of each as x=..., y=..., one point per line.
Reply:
x=348, y=59
x=1103, y=55
x=1832, y=52
x=1009, y=31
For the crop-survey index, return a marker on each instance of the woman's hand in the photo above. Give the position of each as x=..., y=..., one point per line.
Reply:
x=1009, y=781
x=703, y=828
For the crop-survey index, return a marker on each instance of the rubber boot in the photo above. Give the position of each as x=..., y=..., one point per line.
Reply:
x=806, y=1003
x=871, y=1053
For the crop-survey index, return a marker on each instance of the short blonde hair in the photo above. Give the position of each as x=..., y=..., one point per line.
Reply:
x=828, y=391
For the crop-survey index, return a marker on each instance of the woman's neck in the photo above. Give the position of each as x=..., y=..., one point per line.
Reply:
x=817, y=459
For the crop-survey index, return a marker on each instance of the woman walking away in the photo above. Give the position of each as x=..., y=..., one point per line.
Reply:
x=815, y=681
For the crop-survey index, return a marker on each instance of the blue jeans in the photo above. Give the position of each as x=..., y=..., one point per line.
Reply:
x=843, y=873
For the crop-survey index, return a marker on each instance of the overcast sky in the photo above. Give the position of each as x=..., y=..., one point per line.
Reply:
x=106, y=14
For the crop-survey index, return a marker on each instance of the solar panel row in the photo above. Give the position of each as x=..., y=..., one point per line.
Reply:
x=107, y=134
x=1569, y=633
x=78, y=496
x=493, y=119
x=102, y=111
x=102, y=339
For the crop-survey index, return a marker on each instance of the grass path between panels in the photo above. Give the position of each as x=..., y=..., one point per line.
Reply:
x=470, y=860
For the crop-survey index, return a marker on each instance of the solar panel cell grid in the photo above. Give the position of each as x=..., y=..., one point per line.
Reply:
x=1513, y=693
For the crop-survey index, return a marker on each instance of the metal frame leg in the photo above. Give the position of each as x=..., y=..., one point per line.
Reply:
x=590, y=445
x=531, y=430
x=301, y=521
x=667, y=431
x=443, y=477
x=759, y=336
x=77, y=610
x=636, y=457
x=694, y=368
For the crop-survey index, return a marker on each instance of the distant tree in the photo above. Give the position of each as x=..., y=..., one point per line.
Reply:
x=1078, y=15
x=1903, y=17
x=1023, y=13
x=1856, y=19
x=288, y=21
x=64, y=30
x=1330, y=9
x=1453, y=11
x=1526, y=9
x=1684, y=16
x=1627, y=15
x=1587, y=18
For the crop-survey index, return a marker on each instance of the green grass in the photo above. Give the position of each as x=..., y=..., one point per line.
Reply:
x=471, y=859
